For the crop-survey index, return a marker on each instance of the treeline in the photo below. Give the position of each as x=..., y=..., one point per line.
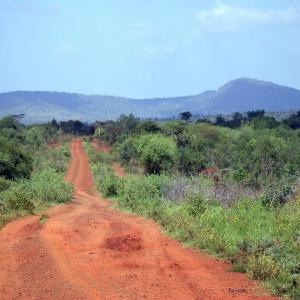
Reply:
x=257, y=118
x=74, y=127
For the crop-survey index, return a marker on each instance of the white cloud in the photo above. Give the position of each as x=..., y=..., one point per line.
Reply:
x=224, y=17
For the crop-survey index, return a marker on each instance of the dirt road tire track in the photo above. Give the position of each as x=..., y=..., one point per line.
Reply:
x=87, y=250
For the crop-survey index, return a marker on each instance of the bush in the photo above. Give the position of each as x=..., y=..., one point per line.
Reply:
x=19, y=197
x=108, y=182
x=156, y=152
x=44, y=188
x=196, y=204
x=4, y=184
x=142, y=196
x=14, y=161
x=49, y=186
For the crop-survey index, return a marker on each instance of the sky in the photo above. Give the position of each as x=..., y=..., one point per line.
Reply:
x=146, y=48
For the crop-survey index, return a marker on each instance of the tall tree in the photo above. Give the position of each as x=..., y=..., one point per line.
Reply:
x=186, y=115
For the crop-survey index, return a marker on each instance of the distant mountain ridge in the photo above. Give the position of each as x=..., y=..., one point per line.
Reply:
x=241, y=95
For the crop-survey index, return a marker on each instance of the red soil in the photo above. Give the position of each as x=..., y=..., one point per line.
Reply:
x=87, y=250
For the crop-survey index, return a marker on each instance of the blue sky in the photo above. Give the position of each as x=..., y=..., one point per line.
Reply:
x=146, y=48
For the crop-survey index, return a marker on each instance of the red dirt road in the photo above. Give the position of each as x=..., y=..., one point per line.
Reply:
x=87, y=250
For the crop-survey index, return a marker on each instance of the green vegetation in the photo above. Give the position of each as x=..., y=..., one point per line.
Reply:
x=43, y=219
x=31, y=171
x=228, y=191
x=106, y=181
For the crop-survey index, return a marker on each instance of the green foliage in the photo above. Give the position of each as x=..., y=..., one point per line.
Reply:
x=142, y=196
x=9, y=122
x=125, y=150
x=31, y=173
x=108, y=183
x=57, y=159
x=4, y=184
x=293, y=121
x=43, y=189
x=148, y=127
x=49, y=186
x=43, y=219
x=195, y=203
x=156, y=152
x=75, y=127
x=118, y=130
x=19, y=197
x=14, y=161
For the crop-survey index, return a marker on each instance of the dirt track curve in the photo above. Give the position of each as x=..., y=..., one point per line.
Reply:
x=87, y=250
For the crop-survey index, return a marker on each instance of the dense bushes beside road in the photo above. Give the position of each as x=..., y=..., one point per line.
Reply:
x=31, y=171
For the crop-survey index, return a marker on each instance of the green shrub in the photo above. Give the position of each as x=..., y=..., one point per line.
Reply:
x=15, y=162
x=44, y=188
x=108, y=181
x=4, y=184
x=195, y=203
x=156, y=152
x=19, y=197
x=142, y=196
x=262, y=267
x=49, y=186
x=57, y=159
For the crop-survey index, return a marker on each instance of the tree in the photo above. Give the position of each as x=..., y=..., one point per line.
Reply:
x=293, y=121
x=237, y=120
x=255, y=113
x=128, y=123
x=149, y=127
x=185, y=116
x=9, y=122
x=220, y=120
x=176, y=129
x=54, y=124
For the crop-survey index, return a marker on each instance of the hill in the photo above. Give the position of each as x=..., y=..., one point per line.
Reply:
x=238, y=95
